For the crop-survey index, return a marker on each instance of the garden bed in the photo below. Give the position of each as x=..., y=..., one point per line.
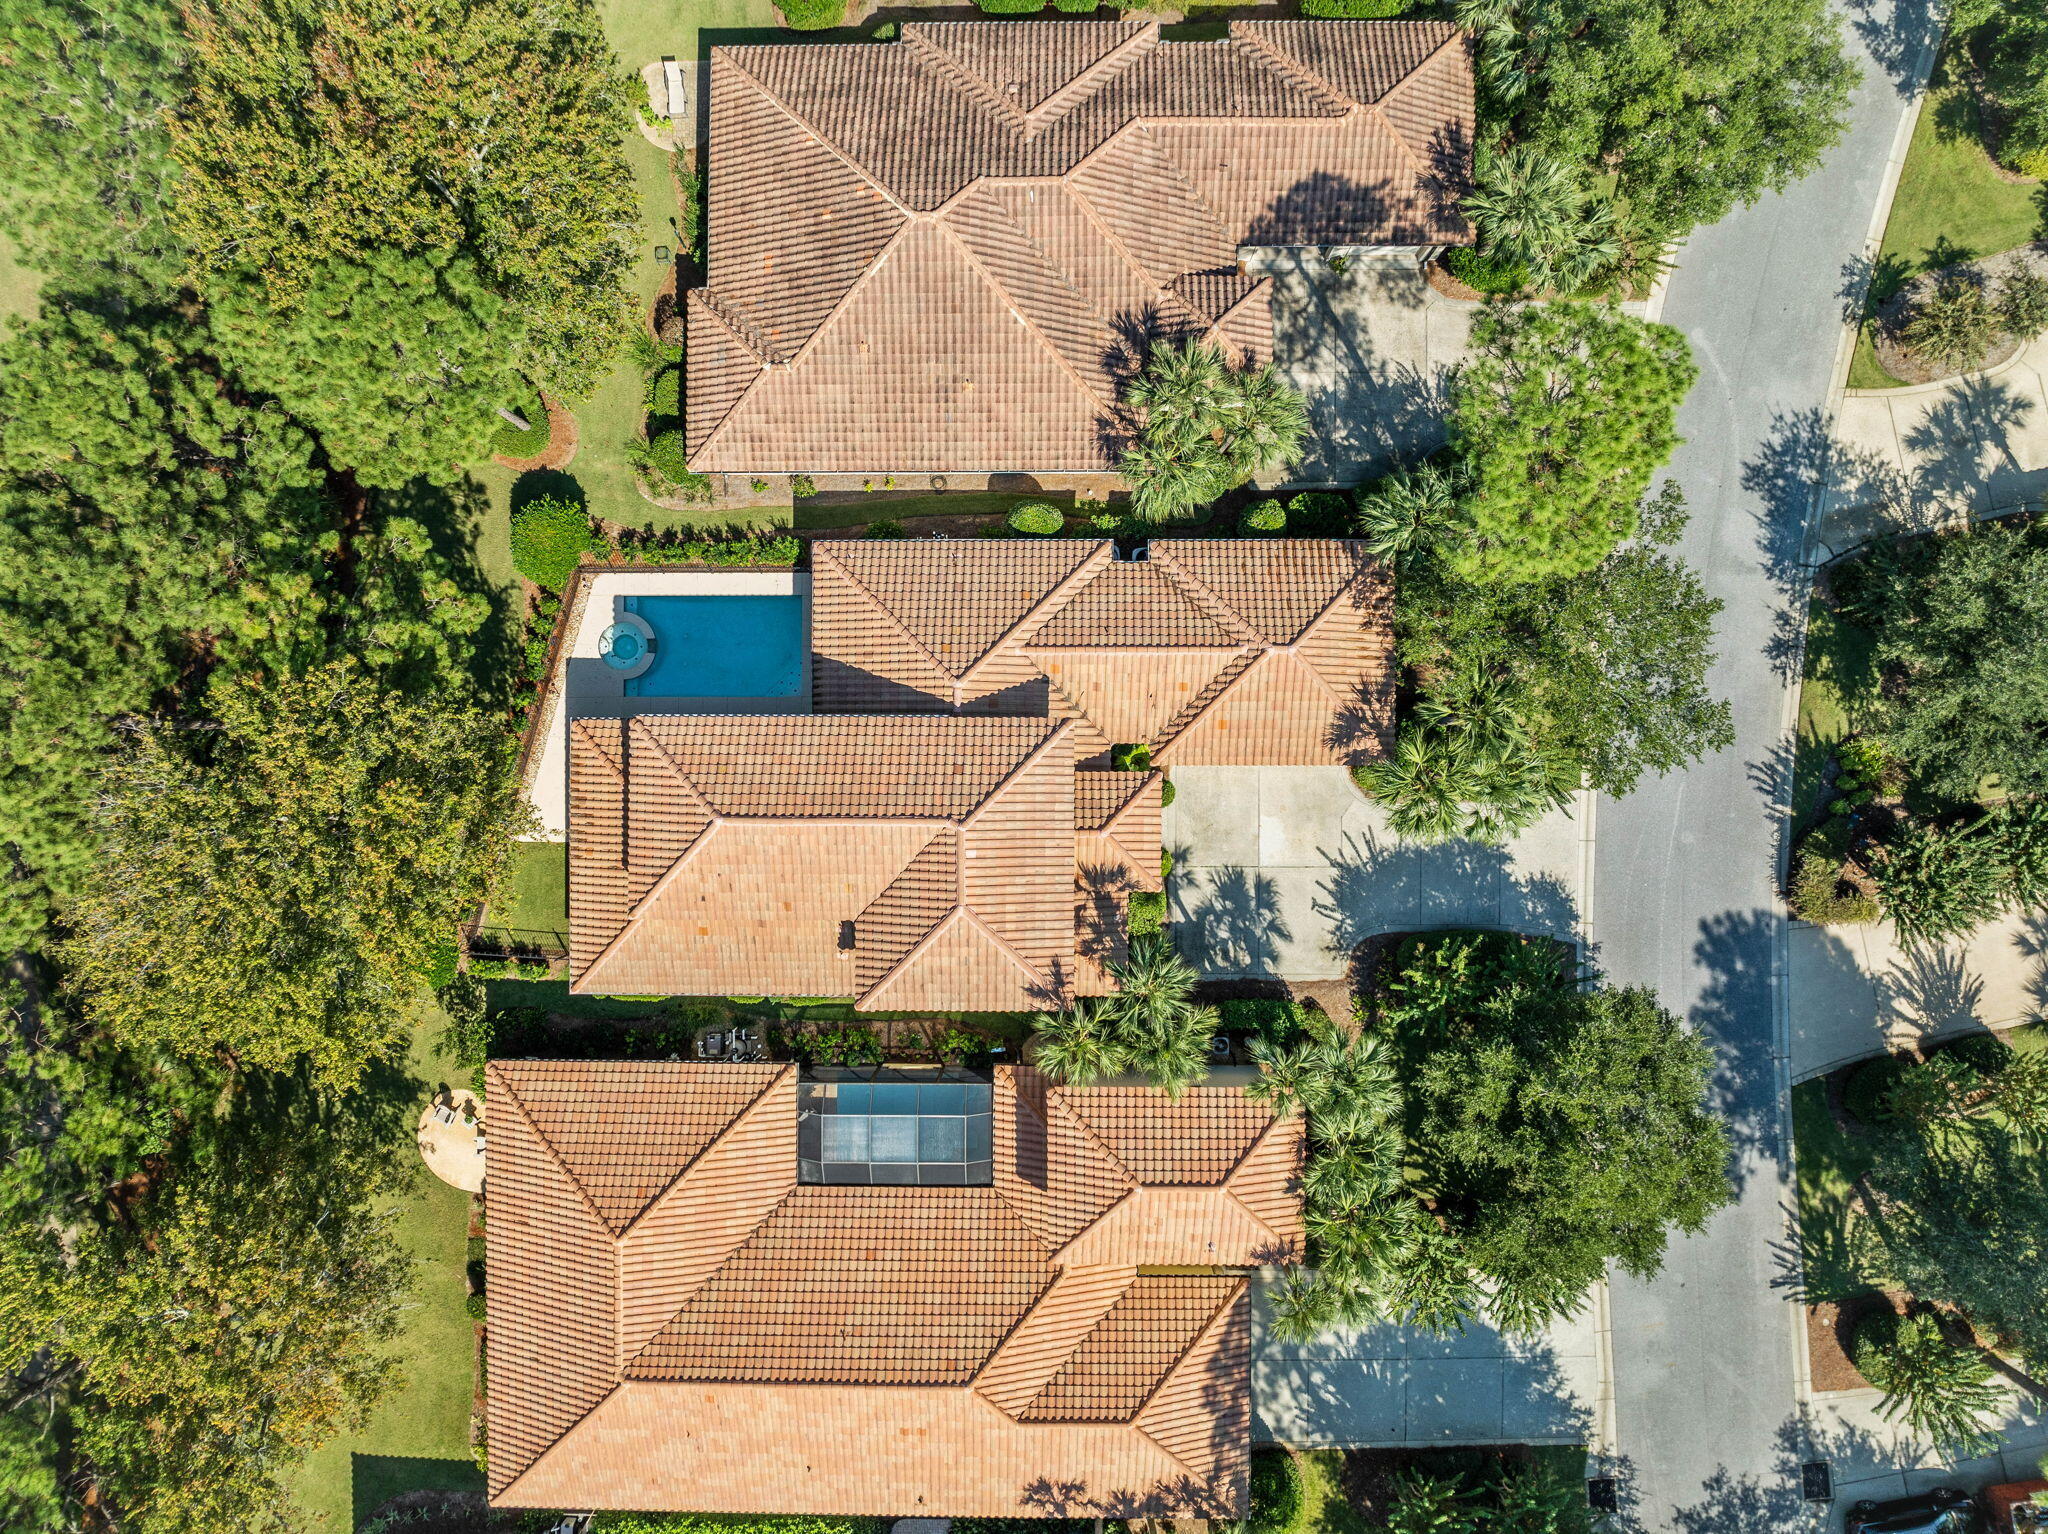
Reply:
x=1891, y=315
x=562, y=441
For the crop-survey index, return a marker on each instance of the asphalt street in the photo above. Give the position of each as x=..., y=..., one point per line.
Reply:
x=1706, y=1419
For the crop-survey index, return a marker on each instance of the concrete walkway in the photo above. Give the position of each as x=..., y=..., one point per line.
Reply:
x=1853, y=990
x=1874, y=1459
x=1391, y=1386
x=1910, y=457
x=1282, y=871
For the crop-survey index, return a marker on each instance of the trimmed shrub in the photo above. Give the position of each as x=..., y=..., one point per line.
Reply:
x=549, y=539
x=477, y=1249
x=2023, y=305
x=1357, y=10
x=478, y=1309
x=1038, y=519
x=668, y=454
x=1866, y=1094
x=724, y=552
x=1269, y=1018
x=1264, y=517
x=811, y=15
x=1082, y=8
x=1011, y=7
x=1819, y=894
x=802, y=487
x=886, y=527
x=1488, y=274
x=1146, y=914
x=1322, y=514
x=1166, y=793
x=665, y=394
x=1132, y=756
x=1985, y=1053
x=508, y=441
x=1275, y=1493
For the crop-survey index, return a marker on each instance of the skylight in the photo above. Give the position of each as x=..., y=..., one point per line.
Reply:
x=930, y=1128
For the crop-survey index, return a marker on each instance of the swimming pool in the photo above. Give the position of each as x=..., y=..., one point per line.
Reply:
x=722, y=646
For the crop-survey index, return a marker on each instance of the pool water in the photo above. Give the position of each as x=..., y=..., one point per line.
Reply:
x=721, y=646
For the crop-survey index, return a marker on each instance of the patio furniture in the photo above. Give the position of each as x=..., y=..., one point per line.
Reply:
x=444, y=1113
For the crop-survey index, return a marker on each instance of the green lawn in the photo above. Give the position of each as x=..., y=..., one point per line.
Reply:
x=820, y=513
x=1837, y=667
x=536, y=894
x=418, y=1436
x=1951, y=206
x=1829, y=1163
x=1326, y=1510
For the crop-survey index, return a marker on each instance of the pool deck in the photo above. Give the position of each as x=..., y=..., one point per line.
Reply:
x=591, y=689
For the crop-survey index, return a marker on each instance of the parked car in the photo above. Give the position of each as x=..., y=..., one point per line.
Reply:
x=1944, y=1510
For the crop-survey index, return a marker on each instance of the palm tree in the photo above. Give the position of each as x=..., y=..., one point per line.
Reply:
x=1426, y=784
x=1170, y=475
x=1533, y=211
x=1407, y=509
x=1263, y=422
x=1204, y=427
x=1177, y=388
x=1163, y=1033
x=1074, y=1048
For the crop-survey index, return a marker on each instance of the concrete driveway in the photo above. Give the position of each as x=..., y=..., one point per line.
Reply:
x=1281, y=871
x=1854, y=990
x=1372, y=348
x=1389, y=1386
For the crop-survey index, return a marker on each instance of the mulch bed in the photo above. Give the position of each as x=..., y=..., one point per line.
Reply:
x=561, y=442
x=1890, y=318
x=1830, y=1328
x=446, y=1512
x=1449, y=286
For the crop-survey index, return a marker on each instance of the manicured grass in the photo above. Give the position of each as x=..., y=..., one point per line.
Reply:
x=536, y=894
x=813, y=513
x=418, y=1435
x=1829, y=1164
x=1323, y=1507
x=644, y=30
x=1951, y=206
x=1837, y=668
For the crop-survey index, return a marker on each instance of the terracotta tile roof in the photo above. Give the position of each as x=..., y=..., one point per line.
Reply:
x=741, y=853
x=624, y=1133
x=1213, y=651
x=951, y=298
x=1197, y=1140
x=878, y=1286
x=746, y=1344
x=1114, y=1368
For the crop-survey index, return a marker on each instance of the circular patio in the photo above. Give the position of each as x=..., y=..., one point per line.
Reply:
x=451, y=1139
